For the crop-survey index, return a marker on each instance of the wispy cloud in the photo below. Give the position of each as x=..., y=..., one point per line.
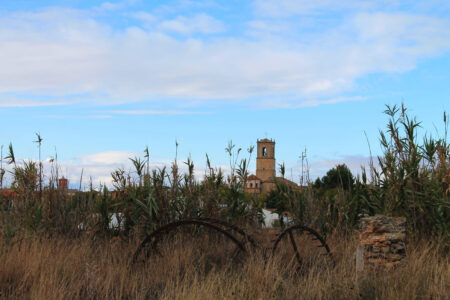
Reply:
x=144, y=16
x=153, y=112
x=62, y=116
x=201, y=23
x=289, y=8
x=294, y=103
x=64, y=51
x=18, y=102
x=99, y=166
x=313, y=103
x=39, y=99
x=107, y=157
x=29, y=103
x=112, y=6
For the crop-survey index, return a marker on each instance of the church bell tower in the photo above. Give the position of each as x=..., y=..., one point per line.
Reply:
x=265, y=160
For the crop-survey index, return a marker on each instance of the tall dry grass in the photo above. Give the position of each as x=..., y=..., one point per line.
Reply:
x=49, y=268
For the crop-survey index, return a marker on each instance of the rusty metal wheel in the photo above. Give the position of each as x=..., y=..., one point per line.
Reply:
x=227, y=233
x=305, y=246
x=246, y=239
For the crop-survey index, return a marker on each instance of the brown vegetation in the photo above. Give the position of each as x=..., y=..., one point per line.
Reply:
x=100, y=269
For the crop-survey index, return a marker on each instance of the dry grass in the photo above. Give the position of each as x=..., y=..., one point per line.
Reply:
x=100, y=269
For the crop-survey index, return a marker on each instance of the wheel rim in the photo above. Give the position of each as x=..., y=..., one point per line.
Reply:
x=304, y=242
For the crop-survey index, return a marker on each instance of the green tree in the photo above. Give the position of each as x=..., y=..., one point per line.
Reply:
x=339, y=176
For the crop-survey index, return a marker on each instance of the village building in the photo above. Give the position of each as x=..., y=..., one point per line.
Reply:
x=265, y=178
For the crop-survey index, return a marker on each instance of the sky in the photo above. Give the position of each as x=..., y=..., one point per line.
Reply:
x=102, y=80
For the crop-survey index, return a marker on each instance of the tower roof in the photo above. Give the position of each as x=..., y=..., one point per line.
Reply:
x=266, y=140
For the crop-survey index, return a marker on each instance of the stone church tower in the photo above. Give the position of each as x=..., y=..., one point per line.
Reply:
x=265, y=164
x=265, y=178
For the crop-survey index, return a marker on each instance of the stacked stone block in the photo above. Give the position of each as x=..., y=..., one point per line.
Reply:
x=381, y=242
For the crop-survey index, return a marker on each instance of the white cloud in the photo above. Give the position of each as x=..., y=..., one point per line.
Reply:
x=144, y=16
x=22, y=101
x=293, y=103
x=152, y=112
x=313, y=103
x=111, y=6
x=59, y=51
x=200, y=23
x=287, y=8
x=99, y=166
x=84, y=116
x=107, y=158
x=284, y=8
x=14, y=102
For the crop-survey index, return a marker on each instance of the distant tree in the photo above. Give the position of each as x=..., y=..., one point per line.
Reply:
x=339, y=176
x=318, y=183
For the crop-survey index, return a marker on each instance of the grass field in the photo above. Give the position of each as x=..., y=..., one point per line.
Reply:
x=89, y=268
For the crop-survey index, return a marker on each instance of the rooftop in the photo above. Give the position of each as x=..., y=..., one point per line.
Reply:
x=253, y=177
x=266, y=140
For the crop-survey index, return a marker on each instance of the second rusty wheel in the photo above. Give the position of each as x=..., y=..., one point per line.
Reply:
x=304, y=246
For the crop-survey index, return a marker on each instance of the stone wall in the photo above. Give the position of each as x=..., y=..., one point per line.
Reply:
x=381, y=242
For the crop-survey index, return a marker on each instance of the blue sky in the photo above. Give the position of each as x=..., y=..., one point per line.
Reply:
x=101, y=80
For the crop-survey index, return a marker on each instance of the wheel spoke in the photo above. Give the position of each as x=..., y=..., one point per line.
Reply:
x=313, y=237
x=294, y=245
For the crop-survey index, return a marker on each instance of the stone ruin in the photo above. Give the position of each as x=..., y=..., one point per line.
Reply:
x=381, y=242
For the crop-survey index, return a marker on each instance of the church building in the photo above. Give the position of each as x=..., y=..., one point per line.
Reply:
x=264, y=180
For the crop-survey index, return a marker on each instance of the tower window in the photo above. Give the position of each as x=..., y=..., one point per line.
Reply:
x=264, y=151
